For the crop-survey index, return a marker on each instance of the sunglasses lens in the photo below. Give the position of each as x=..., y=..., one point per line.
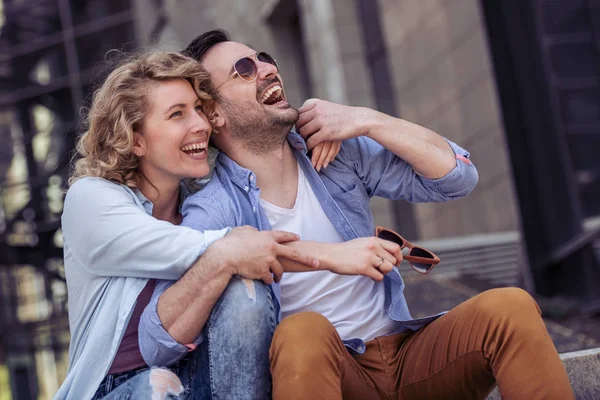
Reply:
x=391, y=237
x=246, y=68
x=264, y=57
x=421, y=267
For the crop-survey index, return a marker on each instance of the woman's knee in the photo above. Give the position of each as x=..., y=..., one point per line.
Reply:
x=154, y=383
x=164, y=383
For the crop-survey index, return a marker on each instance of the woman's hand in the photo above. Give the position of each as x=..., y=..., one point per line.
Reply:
x=371, y=257
x=254, y=254
x=324, y=153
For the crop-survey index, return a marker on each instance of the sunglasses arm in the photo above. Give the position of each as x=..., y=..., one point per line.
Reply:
x=422, y=260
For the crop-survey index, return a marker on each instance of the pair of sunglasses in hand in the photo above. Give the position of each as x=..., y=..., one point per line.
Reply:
x=419, y=258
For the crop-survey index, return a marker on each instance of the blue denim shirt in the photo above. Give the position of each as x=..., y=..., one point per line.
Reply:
x=362, y=169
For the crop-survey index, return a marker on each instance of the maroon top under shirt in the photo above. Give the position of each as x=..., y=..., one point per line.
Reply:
x=129, y=356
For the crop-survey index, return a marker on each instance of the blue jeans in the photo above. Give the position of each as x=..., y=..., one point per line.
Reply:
x=231, y=363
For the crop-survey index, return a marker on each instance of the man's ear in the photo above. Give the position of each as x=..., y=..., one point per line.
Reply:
x=139, y=144
x=218, y=116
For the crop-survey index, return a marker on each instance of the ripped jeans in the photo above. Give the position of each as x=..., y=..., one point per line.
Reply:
x=231, y=363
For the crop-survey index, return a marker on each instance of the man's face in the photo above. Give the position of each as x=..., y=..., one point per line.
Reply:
x=257, y=113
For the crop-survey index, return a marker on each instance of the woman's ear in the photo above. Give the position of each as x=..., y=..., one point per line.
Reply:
x=139, y=144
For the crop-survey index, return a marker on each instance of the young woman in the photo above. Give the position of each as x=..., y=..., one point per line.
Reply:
x=147, y=129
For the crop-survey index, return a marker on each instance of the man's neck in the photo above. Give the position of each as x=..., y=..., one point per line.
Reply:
x=276, y=174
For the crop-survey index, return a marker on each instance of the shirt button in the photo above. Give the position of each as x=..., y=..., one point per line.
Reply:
x=361, y=347
x=246, y=188
x=254, y=209
x=251, y=178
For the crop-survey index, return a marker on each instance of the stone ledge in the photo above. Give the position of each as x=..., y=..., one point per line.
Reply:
x=583, y=368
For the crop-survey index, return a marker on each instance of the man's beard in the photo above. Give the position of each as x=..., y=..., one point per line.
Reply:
x=257, y=128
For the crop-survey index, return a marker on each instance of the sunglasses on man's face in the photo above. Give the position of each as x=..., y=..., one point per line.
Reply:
x=247, y=68
x=419, y=258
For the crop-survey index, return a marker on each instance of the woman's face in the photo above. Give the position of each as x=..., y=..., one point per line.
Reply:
x=175, y=134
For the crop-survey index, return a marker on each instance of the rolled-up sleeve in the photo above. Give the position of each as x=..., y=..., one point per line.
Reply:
x=158, y=348
x=202, y=211
x=460, y=181
x=386, y=175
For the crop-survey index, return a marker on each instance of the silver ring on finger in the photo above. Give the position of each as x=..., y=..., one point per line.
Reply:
x=380, y=262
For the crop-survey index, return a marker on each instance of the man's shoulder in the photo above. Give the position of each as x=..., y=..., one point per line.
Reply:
x=214, y=193
x=212, y=188
x=210, y=208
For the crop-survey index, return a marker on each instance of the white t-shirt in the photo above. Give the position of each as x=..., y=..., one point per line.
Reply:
x=355, y=305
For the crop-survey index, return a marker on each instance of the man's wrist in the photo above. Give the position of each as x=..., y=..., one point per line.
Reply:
x=373, y=123
x=217, y=261
x=327, y=256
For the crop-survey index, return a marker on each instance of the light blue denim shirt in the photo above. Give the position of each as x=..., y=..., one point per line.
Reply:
x=112, y=246
x=362, y=169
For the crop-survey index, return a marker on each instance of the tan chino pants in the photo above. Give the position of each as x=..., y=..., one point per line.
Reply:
x=497, y=337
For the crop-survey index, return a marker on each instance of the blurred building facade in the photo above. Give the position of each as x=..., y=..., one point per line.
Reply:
x=427, y=61
x=439, y=71
x=440, y=76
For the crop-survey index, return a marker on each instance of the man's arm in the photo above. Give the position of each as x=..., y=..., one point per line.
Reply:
x=428, y=153
x=420, y=164
x=357, y=257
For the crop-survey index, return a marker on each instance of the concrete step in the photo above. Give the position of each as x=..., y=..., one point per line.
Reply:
x=583, y=368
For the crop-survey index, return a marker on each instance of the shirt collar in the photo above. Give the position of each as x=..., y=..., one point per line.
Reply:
x=147, y=204
x=242, y=176
x=184, y=191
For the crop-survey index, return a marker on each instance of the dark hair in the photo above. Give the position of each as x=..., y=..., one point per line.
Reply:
x=199, y=46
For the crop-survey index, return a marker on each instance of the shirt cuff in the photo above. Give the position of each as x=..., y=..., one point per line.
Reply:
x=212, y=236
x=157, y=346
x=461, y=180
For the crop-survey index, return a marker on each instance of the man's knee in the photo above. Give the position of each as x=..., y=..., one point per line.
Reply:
x=507, y=307
x=304, y=341
x=304, y=327
x=164, y=384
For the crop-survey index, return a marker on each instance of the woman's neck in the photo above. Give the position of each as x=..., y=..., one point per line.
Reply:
x=165, y=200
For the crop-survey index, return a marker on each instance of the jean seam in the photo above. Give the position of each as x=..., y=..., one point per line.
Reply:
x=273, y=319
x=210, y=362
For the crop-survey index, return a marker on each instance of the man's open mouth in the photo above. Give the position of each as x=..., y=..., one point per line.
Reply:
x=195, y=149
x=272, y=95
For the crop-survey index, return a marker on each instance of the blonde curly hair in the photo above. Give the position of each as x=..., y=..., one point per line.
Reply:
x=117, y=111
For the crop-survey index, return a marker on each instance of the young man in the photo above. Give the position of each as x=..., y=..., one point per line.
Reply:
x=347, y=336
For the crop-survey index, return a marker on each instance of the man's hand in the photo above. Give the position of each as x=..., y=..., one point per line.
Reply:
x=371, y=257
x=321, y=121
x=256, y=255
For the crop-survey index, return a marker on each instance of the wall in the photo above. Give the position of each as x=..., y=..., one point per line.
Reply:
x=444, y=80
